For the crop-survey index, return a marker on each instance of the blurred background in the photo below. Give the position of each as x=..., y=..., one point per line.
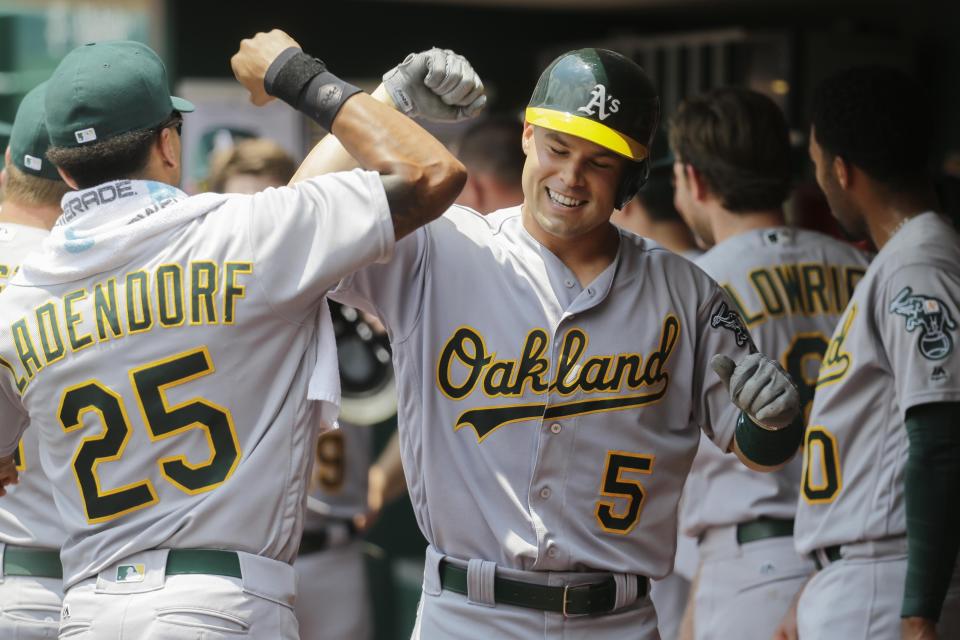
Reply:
x=779, y=47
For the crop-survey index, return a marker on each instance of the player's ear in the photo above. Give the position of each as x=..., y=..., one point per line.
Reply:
x=68, y=178
x=698, y=187
x=841, y=171
x=168, y=151
x=526, y=138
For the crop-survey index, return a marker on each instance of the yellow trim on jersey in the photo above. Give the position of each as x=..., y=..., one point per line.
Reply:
x=587, y=129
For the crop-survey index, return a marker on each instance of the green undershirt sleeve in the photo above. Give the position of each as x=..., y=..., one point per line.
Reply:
x=932, y=479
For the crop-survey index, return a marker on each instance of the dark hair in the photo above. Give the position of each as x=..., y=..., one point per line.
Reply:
x=121, y=156
x=878, y=119
x=738, y=141
x=493, y=146
x=656, y=196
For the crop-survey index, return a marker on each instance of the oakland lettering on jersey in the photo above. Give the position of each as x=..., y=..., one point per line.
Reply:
x=836, y=361
x=465, y=365
x=797, y=289
x=203, y=292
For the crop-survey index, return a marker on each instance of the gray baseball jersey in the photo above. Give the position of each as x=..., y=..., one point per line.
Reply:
x=790, y=286
x=342, y=462
x=28, y=516
x=545, y=425
x=893, y=349
x=162, y=346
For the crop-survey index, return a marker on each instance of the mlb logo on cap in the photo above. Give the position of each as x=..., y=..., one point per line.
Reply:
x=85, y=135
x=32, y=161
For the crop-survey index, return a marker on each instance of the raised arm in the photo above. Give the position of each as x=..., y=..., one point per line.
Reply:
x=420, y=176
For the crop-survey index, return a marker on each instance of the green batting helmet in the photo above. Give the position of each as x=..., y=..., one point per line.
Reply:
x=603, y=97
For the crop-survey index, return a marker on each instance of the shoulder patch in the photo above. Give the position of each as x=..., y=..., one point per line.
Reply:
x=725, y=318
x=931, y=316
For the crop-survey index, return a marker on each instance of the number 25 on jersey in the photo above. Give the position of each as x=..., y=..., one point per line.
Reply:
x=150, y=383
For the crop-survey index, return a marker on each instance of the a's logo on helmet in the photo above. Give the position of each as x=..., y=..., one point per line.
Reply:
x=932, y=317
x=600, y=103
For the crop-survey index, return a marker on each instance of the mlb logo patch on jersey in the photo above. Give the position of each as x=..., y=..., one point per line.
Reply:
x=7, y=234
x=131, y=573
x=85, y=135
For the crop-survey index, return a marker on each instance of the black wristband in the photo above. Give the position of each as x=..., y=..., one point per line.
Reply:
x=766, y=447
x=304, y=83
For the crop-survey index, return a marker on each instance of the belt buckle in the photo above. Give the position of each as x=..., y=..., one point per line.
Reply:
x=563, y=610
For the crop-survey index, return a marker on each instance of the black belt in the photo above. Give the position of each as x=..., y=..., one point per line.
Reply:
x=29, y=561
x=570, y=600
x=323, y=539
x=763, y=528
x=823, y=557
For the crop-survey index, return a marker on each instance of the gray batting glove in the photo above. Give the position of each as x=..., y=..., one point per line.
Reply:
x=760, y=388
x=437, y=85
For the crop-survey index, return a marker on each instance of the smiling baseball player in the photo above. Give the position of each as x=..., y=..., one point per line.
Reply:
x=30, y=529
x=878, y=506
x=554, y=376
x=732, y=173
x=178, y=467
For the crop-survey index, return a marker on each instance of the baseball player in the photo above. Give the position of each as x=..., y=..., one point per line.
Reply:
x=554, y=376
x=163, y=349
x=30, y=530
x=877, y=506
x=732, y=173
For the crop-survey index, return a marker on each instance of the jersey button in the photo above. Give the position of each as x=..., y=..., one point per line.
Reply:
x=545, y=493
x=590, y=291
x=552, y=552
x=568, y=283
x=555, y=428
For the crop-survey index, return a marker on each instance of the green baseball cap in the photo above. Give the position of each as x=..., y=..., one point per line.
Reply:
x=28, y=139
x=103, y=89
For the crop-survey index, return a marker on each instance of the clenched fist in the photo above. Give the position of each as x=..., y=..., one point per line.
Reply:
x=437, y=84
x=251, y=62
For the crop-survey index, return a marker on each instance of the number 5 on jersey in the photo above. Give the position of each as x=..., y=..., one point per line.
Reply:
x=150, y=383
x=616, y=485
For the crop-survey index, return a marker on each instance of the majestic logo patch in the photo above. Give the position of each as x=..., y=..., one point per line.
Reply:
x=727, y=319
x=599, y=103
x=939, y=373
x=932, y=317
x=131, y=573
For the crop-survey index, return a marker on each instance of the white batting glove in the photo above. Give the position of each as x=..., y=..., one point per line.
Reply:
x=437, y=85
x=760, y=388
